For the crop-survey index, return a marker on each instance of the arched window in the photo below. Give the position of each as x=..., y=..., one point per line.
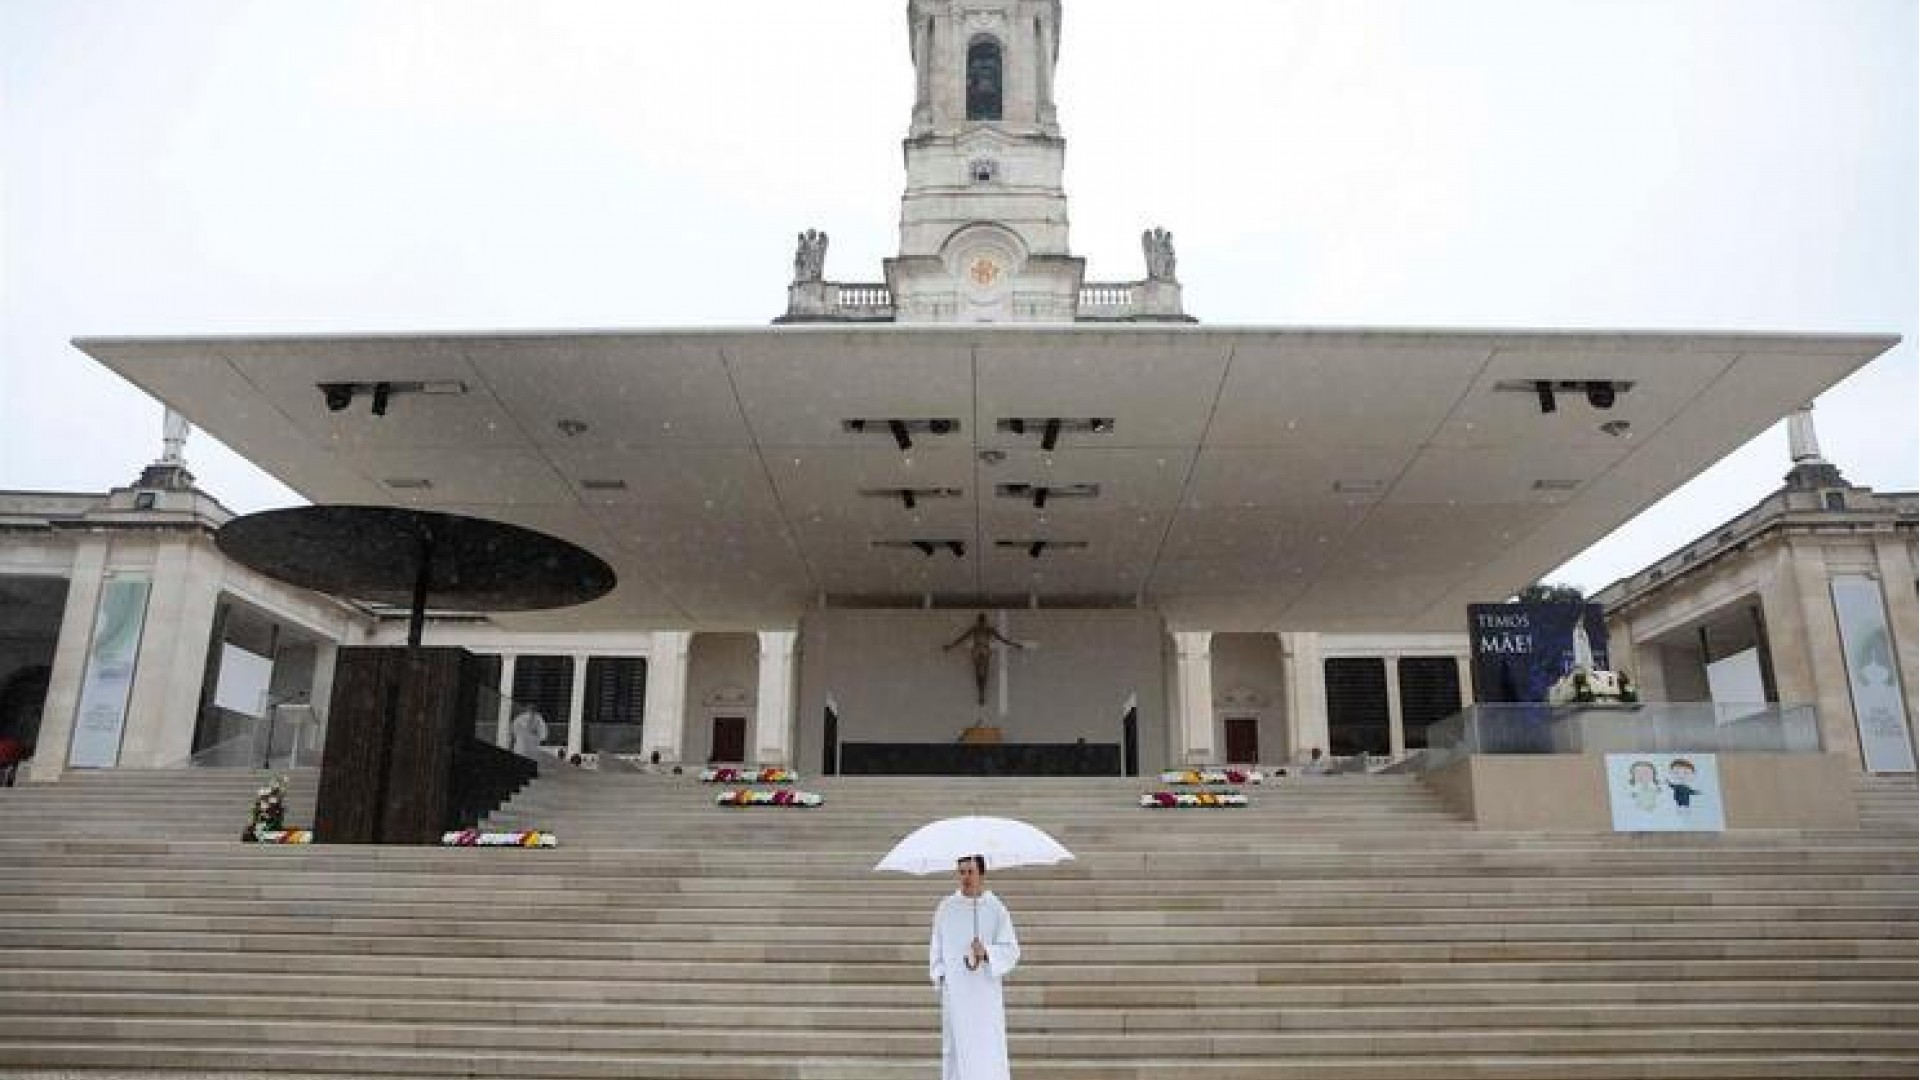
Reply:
x=983, y=80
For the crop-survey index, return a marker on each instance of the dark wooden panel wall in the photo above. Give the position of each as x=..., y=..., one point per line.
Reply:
x=397, y=720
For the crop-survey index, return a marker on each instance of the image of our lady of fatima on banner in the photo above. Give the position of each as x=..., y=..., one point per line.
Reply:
x=1665, y=792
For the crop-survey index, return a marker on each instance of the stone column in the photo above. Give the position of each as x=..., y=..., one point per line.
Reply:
x=1786, y=631
x=663, y=724
x=1193, y=671
x=69, y=660
x=1043, y=74
x=1641, y=663
x=1620, y=648
x=1650, y=671
x=1464, y=673
x=164, y=707
x=1396, y=718
x=774, y=701
x=1821, y=633
x=1306, y=676
x=923, y=72
x=503, y=723
x=577, y=707
x=325, y=656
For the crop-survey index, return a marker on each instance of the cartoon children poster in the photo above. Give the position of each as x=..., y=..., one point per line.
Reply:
x=1665, y=792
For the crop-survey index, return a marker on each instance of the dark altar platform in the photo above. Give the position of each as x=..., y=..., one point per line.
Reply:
x=973, y=759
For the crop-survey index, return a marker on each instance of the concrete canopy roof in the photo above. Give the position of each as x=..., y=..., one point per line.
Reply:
x=1254, y=478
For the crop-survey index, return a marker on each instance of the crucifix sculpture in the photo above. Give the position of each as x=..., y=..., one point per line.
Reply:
x=980, y=638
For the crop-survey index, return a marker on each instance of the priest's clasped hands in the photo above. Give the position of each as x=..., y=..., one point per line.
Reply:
x=978, y=957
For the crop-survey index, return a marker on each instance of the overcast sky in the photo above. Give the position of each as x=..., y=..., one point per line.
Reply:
x=223, y=166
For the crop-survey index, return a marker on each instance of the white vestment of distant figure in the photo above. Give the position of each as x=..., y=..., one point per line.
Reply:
x=529, y=732
x=973, y=1017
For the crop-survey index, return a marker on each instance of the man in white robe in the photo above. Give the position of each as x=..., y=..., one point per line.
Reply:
x=973, y=947
x=529, y=730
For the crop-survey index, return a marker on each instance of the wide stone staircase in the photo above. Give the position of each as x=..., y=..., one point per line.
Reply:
x=1341, y=927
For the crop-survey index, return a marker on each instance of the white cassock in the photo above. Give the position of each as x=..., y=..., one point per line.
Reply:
x=529, y=731
x=973, y=1016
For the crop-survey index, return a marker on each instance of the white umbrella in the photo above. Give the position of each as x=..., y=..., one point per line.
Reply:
x=934, y=848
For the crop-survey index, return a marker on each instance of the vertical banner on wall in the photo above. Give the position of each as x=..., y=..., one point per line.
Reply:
x=1521, y=650
x=1879, y=708
x=108, y=681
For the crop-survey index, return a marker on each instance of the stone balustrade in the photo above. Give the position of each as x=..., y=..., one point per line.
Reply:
x=1131, y=301
x=863, y=297
x=1122, y=301
x=833, y=301
x=1113, y=299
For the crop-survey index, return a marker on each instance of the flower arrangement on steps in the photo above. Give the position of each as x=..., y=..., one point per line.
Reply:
x=1199, y=777
x=284, y=836
x=1192, y=800
x=748, y=776
x=269, y=815
x=531, y=838
x=783, y=797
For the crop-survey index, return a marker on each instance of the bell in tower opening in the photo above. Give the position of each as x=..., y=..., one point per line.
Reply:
x=983, y=79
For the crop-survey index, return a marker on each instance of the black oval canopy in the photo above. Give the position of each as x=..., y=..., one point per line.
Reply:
x=393, y=555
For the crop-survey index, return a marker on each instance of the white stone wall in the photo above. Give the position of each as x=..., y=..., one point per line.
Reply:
x=1248, y=680
x=723, y=674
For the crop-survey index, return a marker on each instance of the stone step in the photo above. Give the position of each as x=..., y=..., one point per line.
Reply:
x=335, y=1061
x=1226, y=940
x=1225, y=959
x=1027, y=1047
x=839, y=862
x=295, y=987
x=682, y=888
x=1831, y=964
x=576, y=857
x=1218, y=922
x=1303, y=871
x=748, y=901
x=1144, y=1018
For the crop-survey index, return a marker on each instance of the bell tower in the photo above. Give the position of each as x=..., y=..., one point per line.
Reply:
x=983, y=222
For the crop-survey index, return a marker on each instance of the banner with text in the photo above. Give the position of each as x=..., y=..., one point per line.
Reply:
x=1879, y=708
x=1521, y=650
x=108, y=681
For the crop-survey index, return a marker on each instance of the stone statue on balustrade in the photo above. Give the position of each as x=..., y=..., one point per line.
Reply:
x=1158, y=245
x=810, y=257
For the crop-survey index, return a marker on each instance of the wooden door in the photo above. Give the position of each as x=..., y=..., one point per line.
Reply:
x=1243, y=740
x=729, y=740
